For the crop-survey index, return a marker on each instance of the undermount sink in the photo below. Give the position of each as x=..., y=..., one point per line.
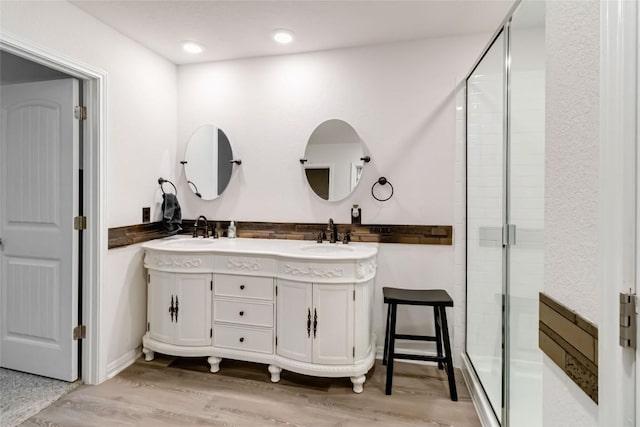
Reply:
x=190, y=243
x=319, y=248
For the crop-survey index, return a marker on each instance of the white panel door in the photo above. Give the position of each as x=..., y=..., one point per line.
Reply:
x=294, y=320
x=38, y=200
x=333, y=315
x=180, y=308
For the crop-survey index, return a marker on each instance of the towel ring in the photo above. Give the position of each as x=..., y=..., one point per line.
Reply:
x=382, y=181
x=162, y=181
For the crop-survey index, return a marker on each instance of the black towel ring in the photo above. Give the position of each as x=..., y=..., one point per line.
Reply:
x=162, y=181
x=382, y=181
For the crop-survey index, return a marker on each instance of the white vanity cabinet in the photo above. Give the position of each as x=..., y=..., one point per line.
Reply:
x=299, y=306
x=316, y=322
x=179, y=308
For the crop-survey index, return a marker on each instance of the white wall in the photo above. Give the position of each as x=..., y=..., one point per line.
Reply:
x=571, y=187
x=399, y=98
x=141, y=133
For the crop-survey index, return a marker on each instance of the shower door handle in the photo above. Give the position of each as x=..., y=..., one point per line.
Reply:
x=509, y=235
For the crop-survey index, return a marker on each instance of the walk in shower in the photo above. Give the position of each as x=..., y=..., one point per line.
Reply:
x=505, y=143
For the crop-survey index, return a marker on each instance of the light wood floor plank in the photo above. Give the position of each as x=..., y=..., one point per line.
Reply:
x=176, y=392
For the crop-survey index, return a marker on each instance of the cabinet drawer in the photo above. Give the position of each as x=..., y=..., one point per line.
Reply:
x=244, y=286
x=243, y=338
x=242, y=312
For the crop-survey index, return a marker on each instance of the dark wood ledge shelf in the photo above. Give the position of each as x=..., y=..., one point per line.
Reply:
x=408, y=234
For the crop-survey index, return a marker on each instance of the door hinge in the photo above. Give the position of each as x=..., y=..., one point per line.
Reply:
x=628, y=320
x=354, y=294
x=276, y=340
x=80, y=223
x=148, y=278
x=211, y=285
x=210, y=332
x=80, y=332
x=148, y=326
x=80, y=112
x=354, y=352
x=276, y=291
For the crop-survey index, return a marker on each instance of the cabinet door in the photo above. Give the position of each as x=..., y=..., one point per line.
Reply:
x=333, y=310
x=294, y=312
x=179, y=308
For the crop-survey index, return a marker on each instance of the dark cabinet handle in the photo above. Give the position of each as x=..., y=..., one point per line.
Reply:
x=241, y=339
x=241, y=287
x=172, y=309
x=308, y=322
x=241, y=313
x=176, y=308
x=315, y=322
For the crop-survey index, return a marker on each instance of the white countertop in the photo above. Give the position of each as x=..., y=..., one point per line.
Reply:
x=304, y=249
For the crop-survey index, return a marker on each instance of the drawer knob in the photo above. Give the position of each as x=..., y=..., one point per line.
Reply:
x=241, y=286
x=242, y=313
x=242, y=339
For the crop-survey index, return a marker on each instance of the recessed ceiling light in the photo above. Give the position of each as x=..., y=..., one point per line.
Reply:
x=191, y=47
x=283, y=36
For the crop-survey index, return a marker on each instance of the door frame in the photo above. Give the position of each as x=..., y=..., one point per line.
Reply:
x=618, y=195
x=94, y=191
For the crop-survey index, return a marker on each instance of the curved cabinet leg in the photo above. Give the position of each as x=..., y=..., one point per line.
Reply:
x=215, y=363
x=148, y=354
x=275, y=373
x=357, y=383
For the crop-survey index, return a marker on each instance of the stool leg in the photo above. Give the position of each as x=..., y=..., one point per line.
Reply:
x=447, y=348
x=437, y=326
x=385, y=354
x=391, y=349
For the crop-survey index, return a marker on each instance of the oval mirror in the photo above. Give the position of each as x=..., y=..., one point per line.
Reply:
x=208, y=164
x=333, y=160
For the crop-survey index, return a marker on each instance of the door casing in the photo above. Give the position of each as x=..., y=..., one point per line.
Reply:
x=618, y=208
x=94, y=369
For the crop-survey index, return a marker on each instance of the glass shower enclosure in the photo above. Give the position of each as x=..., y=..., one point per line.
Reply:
x=505, y=145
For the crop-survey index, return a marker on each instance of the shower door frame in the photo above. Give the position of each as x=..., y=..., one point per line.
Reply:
x=503, y=29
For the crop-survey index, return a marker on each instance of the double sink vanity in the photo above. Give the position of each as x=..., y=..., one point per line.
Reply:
x=296, y=305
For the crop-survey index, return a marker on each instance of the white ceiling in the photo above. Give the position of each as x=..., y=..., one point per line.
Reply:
x=241, y=29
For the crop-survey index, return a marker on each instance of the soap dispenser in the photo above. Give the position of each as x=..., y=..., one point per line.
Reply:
x=356, y=215
x=231, y=232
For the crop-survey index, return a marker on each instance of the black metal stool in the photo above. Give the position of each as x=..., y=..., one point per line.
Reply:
x=439, y=299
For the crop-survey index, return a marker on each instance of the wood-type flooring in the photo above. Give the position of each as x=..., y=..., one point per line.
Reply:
x=180, y=391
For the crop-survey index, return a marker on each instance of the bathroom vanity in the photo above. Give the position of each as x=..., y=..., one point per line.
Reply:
x=295, y=305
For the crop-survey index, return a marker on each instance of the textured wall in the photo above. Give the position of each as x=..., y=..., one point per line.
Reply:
x=571, y=187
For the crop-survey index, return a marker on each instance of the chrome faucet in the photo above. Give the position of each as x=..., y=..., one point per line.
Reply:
x=206, y=227
x=332, y=231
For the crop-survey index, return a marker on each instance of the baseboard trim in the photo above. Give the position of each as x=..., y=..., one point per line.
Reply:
x=123, y=362
x=479, y=398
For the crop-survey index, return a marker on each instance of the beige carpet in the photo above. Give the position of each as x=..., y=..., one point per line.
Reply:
x=24, y=395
